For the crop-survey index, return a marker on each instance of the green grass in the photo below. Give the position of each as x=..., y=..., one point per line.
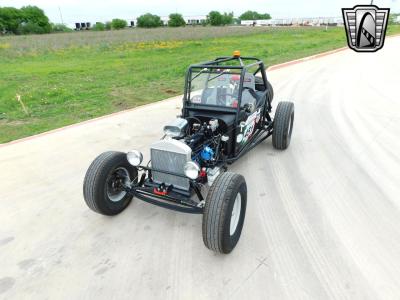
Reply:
x=82, y=80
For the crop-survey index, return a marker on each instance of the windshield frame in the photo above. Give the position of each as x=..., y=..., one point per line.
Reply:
x=200, y=68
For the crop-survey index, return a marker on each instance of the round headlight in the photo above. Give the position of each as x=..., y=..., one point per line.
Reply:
x=134, y=157
x=191, y=170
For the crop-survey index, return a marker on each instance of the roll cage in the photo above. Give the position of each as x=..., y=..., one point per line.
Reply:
x=243, y=65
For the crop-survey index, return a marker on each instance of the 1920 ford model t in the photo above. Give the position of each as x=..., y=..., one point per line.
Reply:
x=226, y=113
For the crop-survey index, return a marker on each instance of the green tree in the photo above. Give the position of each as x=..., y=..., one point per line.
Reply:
x=30, y=28
x=99, y=26
x=227, y=19
x=118, y=24
x=215, y=18
x=176, y=20
x=28, y=19
x=149, y=20
x=253, y=15
x=265, y=17
x=35, y=19
x=393, y=18
x=107, y=26
x=11, y=18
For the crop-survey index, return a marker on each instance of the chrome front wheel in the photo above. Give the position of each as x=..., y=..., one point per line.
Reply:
x=103, y=187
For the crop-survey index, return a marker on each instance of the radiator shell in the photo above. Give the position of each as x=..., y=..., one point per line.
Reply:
x=170, y=155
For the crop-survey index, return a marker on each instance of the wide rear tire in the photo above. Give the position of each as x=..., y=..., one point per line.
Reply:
x=270, y=90
x=224, y=212
x=283, y=125
x=102, y=187
x=260, y=83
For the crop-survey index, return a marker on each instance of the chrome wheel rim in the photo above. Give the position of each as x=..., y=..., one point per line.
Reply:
x=237, y=207
x=115, y=182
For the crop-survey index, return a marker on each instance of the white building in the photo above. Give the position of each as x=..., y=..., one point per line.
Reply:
x=248, y=22
x=295, y=22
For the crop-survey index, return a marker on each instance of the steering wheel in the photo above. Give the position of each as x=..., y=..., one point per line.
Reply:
x=251, y=91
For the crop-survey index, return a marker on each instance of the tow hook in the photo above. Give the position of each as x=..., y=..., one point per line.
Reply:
x=162, y=189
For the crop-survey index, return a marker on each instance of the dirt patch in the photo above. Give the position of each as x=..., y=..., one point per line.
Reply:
x=120, y=105
x=13, y=123
x=170, y=92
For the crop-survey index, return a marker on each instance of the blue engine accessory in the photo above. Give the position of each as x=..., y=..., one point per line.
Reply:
x=207, y=153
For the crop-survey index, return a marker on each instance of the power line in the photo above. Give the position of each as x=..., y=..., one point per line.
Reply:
x=62, y=20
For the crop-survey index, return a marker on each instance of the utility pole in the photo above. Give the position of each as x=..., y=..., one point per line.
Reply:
x=62, y=21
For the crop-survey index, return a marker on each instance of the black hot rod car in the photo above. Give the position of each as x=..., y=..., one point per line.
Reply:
x=226, y=113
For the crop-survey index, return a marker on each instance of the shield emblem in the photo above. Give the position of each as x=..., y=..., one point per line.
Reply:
x=365, y=27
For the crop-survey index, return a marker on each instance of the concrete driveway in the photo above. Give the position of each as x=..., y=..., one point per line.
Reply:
x=323, y=218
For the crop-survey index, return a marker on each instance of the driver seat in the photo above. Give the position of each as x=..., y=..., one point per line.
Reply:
x=211, y=95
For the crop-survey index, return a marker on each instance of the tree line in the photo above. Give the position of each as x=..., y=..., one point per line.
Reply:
x=214, y=18
x=393, y=18
x=33, y=20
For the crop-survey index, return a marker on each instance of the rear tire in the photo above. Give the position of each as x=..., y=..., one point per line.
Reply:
x=270, y=91
x=102, y=188
x=260, y=83
x=224, y=212
x=283, y=125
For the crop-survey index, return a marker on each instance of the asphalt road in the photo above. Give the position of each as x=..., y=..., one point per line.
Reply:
x=323, y=218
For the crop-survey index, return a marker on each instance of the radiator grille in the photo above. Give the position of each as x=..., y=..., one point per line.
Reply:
x=170, y=156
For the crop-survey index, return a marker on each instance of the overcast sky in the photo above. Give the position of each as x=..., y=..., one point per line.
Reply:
x=95, y=10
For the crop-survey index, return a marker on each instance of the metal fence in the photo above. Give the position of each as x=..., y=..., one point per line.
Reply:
x=334, y=21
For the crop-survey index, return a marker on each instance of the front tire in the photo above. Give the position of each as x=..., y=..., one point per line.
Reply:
x=283, y=125
x=103, y=184
x=224, y=212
